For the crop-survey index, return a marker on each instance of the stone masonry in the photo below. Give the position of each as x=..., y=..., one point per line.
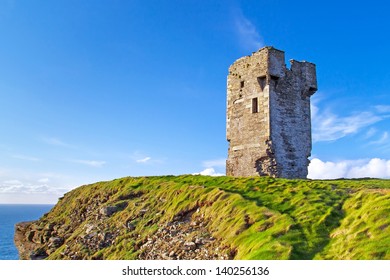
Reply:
x=268, y=115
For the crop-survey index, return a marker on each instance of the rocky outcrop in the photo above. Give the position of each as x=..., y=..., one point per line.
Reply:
x=185, y=238
x=36, y=241
x=23, y=240
x=92, y=229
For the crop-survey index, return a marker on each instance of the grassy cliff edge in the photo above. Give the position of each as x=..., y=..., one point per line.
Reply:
x=201, y=217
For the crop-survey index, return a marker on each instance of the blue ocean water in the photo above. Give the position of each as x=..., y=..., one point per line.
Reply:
x=10, y=214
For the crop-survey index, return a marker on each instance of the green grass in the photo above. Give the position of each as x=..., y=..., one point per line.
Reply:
x=364, y=232
x=259, y=217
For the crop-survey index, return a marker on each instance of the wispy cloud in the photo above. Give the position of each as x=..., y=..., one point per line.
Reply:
x=221, y=162
x=371, y=132
x=328, y=126
x=247, y=34
x=382, y=140
x=143, y=160
x=53, y=141
x=375, y=168
x=27, y=158
x=91, y=163
x=383, y=108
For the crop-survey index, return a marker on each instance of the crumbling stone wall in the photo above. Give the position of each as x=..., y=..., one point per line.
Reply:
x=268, y=115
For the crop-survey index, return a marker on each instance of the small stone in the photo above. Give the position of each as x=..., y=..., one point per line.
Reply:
x=190, y=245
x=143, y=211
x=130, y=226
x=172, y=254
x=91, y=235
x=198, y=241
x=50, y=226
x=89, y=228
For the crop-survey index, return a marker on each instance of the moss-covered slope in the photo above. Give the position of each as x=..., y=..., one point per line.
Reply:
x=201, y=217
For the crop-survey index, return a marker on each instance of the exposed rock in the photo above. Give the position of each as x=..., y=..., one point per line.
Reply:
x=142, y=212
x=189, y=246
x=89, y=228
x=130, y=226
x=55, y=242
x=184, y=239
x=25, y=247
x=38, y=254
x=108, y=210
x=172, y=254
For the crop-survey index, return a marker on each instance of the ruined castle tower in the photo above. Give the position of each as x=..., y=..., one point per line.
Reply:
x=268, y=115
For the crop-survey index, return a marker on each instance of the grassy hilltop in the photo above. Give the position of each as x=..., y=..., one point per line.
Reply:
x=179, y=217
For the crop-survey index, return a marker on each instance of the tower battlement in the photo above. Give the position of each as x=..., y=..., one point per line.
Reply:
x=268, y=115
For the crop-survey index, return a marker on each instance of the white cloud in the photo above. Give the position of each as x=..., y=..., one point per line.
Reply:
x=22, y=189
x=13, y=183
x=247, y=33
x=92, y=163
x=211, y=166
x=328, y=126
x=17, y=191
x=143, y=160
x=375, y=168
x=31, y=187
x=209, y=172
x=43, y=180
x=19, y=187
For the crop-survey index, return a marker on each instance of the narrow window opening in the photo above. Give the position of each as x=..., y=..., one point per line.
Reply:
x=312, y=90
x=242, y=84
x=275, y=79
x=262, y=81
x=255, y=105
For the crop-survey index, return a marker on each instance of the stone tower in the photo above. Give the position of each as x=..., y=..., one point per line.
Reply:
x=268, y=115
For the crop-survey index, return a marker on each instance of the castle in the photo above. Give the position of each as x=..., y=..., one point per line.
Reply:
x=268, y=115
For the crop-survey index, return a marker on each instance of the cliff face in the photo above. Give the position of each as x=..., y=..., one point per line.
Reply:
x=26, y=246
x=198, y=217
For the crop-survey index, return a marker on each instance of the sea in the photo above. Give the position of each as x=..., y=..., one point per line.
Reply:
x=11, y=214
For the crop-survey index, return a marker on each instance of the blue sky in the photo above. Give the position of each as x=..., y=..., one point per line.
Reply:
x=96, y=90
